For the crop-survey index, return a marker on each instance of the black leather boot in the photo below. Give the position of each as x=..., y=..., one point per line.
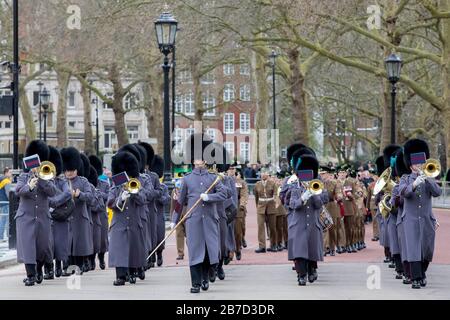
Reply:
x=101, y=259
x=212, y=274
x=39, y=272
x=49, y=273
x=415, y=284
x=301, y=280
x=220, y=273
x=58, y=268
x=159, y=260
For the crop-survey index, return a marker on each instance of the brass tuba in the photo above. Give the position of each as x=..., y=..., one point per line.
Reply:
x=133, y=186
x=47, y=170
x=431, y=168
x=385, y=206
x=384, y=182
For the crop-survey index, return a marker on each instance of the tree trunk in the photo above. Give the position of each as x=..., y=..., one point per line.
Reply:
x=61, y=114
x=444, y=5
x=27, y=116
x=198, y=100
x=386, y=120
x=300, y=114
x=119, y=112
x=88, y=136
x=155, y=111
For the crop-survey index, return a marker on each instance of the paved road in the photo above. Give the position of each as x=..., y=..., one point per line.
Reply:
x=256, y=276
x=261, y=282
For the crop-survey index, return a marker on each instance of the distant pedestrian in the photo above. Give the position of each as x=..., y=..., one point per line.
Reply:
x=5, y=187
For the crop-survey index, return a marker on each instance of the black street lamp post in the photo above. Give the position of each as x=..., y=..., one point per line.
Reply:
x=166, y=29
x=40, y=85
x=393, y=67
x=273, y=57
x=97, y=145
x=45, y=99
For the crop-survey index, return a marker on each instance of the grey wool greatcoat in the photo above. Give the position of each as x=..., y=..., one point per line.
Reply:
x=126, y=236
x=154, y=185
x=202, y=225
x=33, y=223
x=161, y=202
x=146, y=212
x=417, y=217
x=232, y=201
x=223, y=228
x=305, y=234
x=97, y=208
x=60, y=229
x=397, y=200
x=394, y=245
x=103, y=189
x=381, y=221
x=81, y=241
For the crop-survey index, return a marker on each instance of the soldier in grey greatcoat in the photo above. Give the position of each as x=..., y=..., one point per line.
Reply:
x=305, y=239
x=161, y=202
x=33, y=224
x=81, y=242
x=231, y=207
x=381, y=221
x=60, y=229
x=202, y=224
x=418, y=220
x=103, y=190
x=397, y=202
x=127, y=249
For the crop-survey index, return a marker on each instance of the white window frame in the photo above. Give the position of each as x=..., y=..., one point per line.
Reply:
x=179, y=103
x=209, y=101
x=228, y=69
x=228, y=92
x=244, y=123
x=69, y=94
x=189, y=104
x=178, y=139
x=244, y=151
x=229, y=146
x=211, y=132
x=228, y=123
x=244, y=92
x=244, y=69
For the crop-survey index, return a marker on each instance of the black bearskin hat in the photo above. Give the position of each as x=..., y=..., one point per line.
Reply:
x=133, y=150
x=292, y=148
x=149, y=152
x=86, y=167
x=400, y=169
x=299, y=153
x=308, y=162
x=125, y=161
x=143, y=155
x=389, y=152
x=96, y=163
x=71, y=159
x=38, y=147
x=55, y=158
x=380, y=165
x=93, y=176
x=414, y=146
x=158, y=166
x=197, y=147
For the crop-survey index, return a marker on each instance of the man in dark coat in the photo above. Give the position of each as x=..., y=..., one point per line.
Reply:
x=103, y=188
x=202, y=224
x=127, y=248
x=305, y=240
x=419, y=222
x=161, y=202
x=60, y=229
x=81, y=242
x=33, y=224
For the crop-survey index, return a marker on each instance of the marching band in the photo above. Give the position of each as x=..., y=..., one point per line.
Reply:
x=313, y=212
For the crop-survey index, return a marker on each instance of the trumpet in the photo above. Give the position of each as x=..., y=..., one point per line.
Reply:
x=314, y=186
x=431, y=168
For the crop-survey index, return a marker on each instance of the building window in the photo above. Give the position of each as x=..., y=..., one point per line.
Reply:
x=228, y=123
x=211, y=133
x=109, y=95
x=1, y=124
x=228, y=93
x=36, y=95
x=71, y=99
x=131, y=100
x=133, y=132
x=179, y=103
x=72, y=124
x=245, y=151
x=189, y=104
x=229, y=146
x=209, y=104
x=245, y=92
x=244, y=69
x=7, y=124
x=110, y=137
x=178, y=138
x=228, y=69
x=208, y=78
x=184, y=76
x=244, y=123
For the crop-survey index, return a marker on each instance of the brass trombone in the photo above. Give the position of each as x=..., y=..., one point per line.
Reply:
x=314, y=186
x=47, y=170
x=431, y=168
x=132, y=186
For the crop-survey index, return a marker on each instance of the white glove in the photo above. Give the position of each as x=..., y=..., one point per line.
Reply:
x=125, y=195
x=306, y=195
x=32, y=183
x=204, y=197
x=172, y=225
x=292, y=179
x=419, y=180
